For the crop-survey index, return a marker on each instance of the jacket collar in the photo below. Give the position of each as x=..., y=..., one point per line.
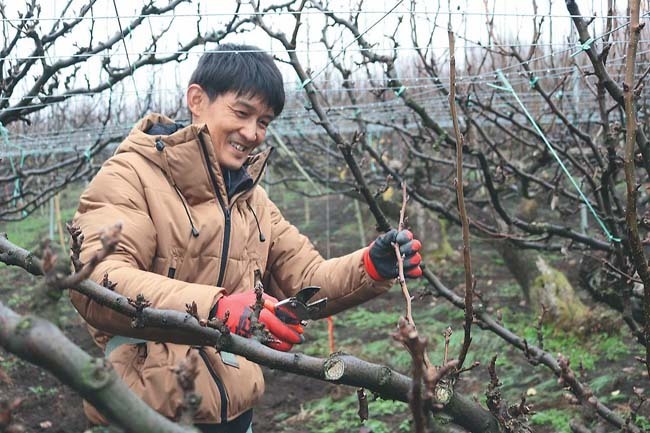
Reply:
x=182, y=153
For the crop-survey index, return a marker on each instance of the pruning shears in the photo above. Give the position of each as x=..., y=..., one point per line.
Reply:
x=296, y=309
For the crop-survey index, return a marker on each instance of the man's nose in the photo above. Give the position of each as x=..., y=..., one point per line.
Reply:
x=249, y=131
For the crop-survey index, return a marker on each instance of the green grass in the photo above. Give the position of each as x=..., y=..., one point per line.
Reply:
x=585, y=349
x=642, y=422
x=557, y=419
x=329, y=415
x=29, y=232
x=11, y=362
x=364, y=319
x=40, y=390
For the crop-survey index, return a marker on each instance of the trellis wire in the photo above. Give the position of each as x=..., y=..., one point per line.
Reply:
x=508, y=88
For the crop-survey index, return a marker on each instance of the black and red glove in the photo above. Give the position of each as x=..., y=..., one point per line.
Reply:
x=380, y=261
x=240, y=307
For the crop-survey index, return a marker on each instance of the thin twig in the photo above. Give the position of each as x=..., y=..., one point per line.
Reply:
x=400, y=261
x=408, y=335
x=460, y=140
x=540, y=322
x=636, y=247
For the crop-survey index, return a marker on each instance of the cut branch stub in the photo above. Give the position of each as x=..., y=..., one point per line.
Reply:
x=333, y=368
x=443, y=392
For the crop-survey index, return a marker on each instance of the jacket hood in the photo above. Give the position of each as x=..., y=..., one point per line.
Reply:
x=179, y=150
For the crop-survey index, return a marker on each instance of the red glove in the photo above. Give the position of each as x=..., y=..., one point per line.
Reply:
x=380, y=261
x=240, y=308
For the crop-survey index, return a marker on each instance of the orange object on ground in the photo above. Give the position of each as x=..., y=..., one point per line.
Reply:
x=330, y=332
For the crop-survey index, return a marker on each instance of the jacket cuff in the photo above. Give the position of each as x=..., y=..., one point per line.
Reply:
x=213, y=311
x=370, y=266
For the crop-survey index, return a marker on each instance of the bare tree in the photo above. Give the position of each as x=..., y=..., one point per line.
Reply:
x=36, y=83
x=528, y=159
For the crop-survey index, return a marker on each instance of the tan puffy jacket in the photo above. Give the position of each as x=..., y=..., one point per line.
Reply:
x=159, y=188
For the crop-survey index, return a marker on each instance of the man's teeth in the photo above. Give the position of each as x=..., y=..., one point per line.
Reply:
x=239, y=147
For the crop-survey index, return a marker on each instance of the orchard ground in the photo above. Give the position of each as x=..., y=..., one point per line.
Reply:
x=294, y=404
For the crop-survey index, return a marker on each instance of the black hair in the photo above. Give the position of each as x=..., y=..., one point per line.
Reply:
x=243, y=69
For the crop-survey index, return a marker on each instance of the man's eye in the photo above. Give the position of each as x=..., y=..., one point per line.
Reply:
x=241, y=113
x=263, y=123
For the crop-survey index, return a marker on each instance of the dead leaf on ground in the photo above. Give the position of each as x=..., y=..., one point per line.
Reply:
x=301, y=416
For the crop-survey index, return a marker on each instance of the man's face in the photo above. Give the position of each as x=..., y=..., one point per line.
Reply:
x=237, y=125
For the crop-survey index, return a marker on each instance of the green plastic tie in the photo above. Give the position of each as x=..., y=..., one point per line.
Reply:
x=304, y=83
x=498, y=87
x=87, y=154
x=509, y=88
x=399, y=91
x=533, y=82
x=5, y=133
x=584, y=47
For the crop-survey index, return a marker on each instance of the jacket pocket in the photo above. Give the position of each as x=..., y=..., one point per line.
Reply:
x=220, y=386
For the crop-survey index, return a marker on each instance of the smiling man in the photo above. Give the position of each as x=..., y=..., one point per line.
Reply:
x=198, y=227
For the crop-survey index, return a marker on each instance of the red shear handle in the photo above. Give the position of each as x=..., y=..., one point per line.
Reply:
x=239, y=309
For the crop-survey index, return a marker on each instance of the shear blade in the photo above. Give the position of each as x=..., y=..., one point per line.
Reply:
x=316, y=307
x=306, y=294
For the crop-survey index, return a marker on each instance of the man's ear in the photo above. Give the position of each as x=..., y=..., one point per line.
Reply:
x=196, y=101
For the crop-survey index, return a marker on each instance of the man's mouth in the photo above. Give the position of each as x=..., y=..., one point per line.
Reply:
x=238, y=146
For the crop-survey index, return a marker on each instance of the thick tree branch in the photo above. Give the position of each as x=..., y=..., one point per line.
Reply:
x=43, y=344
x=182, y=328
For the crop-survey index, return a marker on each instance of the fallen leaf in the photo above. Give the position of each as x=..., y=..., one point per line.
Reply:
x=45, y=424
x=301, y=416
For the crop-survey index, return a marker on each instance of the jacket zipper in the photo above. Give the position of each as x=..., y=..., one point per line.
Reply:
x=226, y=241
x=226, y=214
x=220, y=385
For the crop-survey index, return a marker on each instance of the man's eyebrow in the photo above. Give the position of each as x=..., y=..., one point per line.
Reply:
x=245, y=104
